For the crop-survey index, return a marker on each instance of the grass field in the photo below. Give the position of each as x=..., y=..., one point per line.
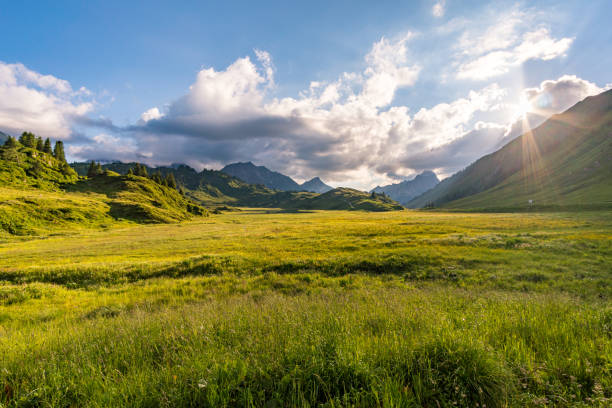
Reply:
x=271, y=308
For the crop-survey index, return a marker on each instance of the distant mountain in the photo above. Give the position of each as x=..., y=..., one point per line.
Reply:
x=3, y=137
x=407, y=190
x=261, y=175
x=315, y=185
x=216, y=188
x=563, y=163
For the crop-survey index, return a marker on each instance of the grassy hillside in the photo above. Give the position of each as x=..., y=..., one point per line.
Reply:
x=329, y=308
x=43, y=195
x=23, y=166
x=216, y=188
x=564, y=163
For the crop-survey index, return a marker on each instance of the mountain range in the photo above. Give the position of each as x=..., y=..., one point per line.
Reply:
x=563, y=163
x=253, y=174
x=408, y=189
x=213, y=188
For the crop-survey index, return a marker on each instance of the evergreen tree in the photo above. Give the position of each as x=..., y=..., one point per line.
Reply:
x=130, y=172
x=157, y=177
x=40, y=146
x=143, y=170
x=28, y=139
x=10, y=142
x=58, y=151
x=171, y=181
x=47, y=147
x=94, y=170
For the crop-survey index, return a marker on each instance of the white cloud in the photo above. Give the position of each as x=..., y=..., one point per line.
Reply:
x=42, y=104
x=504, y=42
x=151, y=114
x=554, y=96
x=232, y=94
x=534, y=45
x=438, y=9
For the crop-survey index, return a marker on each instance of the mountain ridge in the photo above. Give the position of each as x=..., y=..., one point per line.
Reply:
x=252, y=174
x=561, y=163
x=406, y=190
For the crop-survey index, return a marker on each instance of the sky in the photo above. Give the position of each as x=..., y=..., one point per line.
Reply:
x=359, y=93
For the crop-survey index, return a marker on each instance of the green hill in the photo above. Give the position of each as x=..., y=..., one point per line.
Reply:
x=216, y=188
x=562, y=164
x=41, y=193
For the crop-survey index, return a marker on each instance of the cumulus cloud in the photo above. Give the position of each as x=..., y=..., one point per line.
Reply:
x=43, y=104
x=554, y=96
x=151, y=114
x=341, y=130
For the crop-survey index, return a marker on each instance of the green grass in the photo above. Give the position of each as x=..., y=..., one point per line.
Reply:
x=269, y=308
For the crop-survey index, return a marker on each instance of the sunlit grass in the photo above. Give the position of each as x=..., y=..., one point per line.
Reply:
x=260, y=308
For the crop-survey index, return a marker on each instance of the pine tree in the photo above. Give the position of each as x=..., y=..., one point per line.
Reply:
x=28, y=139
x=10, y=142
x=157, y=177
x=47, y=147
x=40, y=146
x=143, y=171
x=94, y=169
x=171, y=181
x=58, y=151
x=130, y=172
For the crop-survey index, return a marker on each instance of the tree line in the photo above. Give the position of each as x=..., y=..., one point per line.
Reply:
x=139, y=170
x=29, y=139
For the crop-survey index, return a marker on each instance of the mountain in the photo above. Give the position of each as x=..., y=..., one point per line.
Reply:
x=216, y=188
x=563, y=163
x=407, y=190
x=315, y=185
x=3, y=137
x=261, y=175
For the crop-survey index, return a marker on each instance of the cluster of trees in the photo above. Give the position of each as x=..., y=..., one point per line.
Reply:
x=29, y=139
x=139, y=170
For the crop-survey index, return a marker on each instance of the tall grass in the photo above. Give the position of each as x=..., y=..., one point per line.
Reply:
x=319, y=309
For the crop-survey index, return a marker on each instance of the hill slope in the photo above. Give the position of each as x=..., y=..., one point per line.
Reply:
x=216, y=188
x=563, y=163
x=41, y=193
x=407, y=190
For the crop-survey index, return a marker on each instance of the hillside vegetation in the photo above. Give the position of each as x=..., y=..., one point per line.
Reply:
x=41, y=193
x=563, y=163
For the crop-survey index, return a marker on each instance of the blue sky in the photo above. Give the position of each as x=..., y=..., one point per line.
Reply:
x=359, y=93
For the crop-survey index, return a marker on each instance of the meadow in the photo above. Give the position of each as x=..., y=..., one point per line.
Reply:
x=315, y=308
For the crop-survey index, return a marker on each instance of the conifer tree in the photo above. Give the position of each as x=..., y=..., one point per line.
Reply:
x=40, y=146
x=94, y=169
x=58, y=151
x=28, y=139
x=130, y=172
x=171, y=181
x=157, y=177
x=47, y=147
x=10, y=142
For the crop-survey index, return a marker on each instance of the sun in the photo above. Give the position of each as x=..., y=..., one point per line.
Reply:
x=524, y=106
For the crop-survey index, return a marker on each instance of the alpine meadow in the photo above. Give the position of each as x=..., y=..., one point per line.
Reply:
x=404, y=204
